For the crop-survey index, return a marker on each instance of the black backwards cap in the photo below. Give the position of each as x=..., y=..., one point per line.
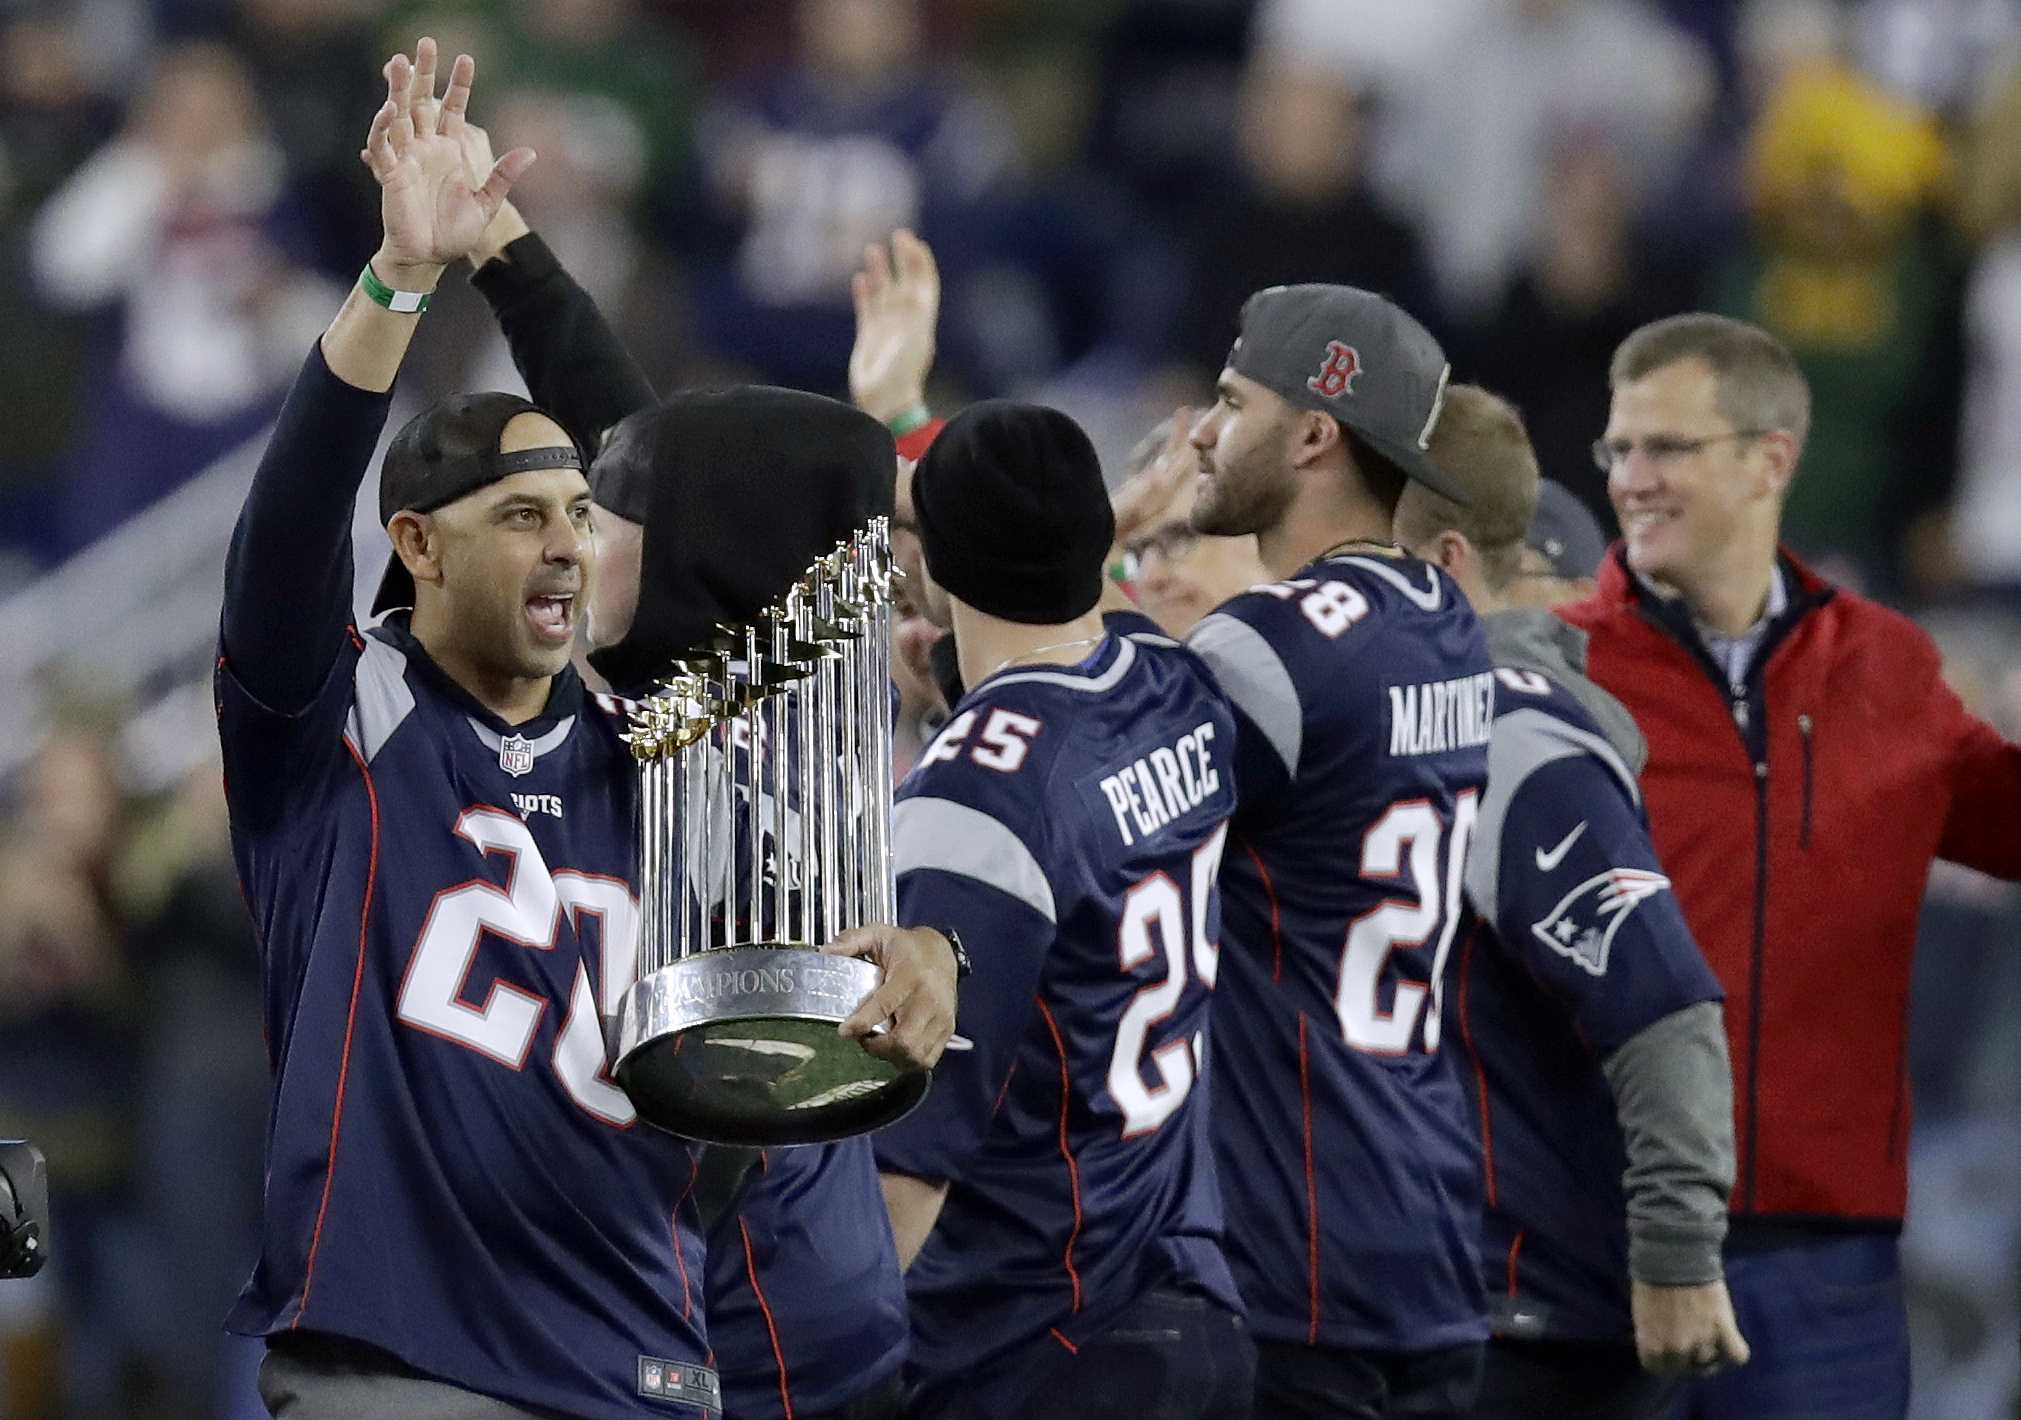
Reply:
x=1014, y=518
x=739, y=490
x=1362, y=359
x=445, y=452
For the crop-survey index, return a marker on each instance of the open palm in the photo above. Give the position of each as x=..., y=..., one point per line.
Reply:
x=432, y=214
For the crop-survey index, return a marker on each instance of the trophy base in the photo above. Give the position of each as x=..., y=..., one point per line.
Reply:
x=738, y=1046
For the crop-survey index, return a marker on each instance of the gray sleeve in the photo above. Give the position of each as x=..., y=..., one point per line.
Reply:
x=1673, y=1091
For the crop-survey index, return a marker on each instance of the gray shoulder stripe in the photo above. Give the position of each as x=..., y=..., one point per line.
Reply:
x=954, y=838
x=381, y=698
x=1253, y=675
x=1524, y=742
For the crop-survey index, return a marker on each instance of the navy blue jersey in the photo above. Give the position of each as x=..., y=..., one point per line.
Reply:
x=1363, y=693
x=1068, y=822
x=805, y=1304
x=445, y=913
x=1574, y=944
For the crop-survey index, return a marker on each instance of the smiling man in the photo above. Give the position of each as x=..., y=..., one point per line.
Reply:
x=1807, y=763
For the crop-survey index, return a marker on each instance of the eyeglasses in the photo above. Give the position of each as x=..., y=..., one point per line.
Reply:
x=1172, y=542
x=1662, y=448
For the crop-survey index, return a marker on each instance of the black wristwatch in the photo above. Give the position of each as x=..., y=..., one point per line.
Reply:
x=962, y=965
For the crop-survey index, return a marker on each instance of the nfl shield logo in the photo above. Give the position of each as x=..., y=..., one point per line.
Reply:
x=515, y=755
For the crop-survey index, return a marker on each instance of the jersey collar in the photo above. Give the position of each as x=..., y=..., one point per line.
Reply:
x=564, y=696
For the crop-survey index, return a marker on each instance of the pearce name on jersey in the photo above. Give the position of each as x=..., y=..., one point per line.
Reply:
x=1073, y=1133
x=1164, y=785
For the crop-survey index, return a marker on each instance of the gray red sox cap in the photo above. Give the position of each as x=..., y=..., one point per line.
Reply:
x=1349, y=353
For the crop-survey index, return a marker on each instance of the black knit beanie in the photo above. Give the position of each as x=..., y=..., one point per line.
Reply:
x=1014, y=518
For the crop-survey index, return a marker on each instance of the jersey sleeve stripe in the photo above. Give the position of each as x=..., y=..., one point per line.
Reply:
x=382, y=698
x=1254, y=676
x=940, y=834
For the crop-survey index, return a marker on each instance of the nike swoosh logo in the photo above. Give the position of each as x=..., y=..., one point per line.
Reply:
x=1546, y=862
x=960, y=1042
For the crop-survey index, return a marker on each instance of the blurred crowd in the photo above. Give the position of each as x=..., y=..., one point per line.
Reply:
x=1103, y=181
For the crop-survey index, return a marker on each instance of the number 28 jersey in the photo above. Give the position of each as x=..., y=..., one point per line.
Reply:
x=1363, y=691
x=1067, y=822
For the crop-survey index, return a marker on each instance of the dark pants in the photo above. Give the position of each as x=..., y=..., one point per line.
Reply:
x=1327, y=1384
x=1569, y=1380
x=1828, y=1328
x=316, y=1377
x=1171, y=1356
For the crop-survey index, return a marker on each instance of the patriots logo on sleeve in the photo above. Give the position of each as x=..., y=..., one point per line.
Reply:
x=1583, y=924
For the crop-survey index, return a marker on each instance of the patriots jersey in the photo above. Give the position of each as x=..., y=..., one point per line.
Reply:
x=806, y=1308
x=445, y=911
x=1363, y=693
x=1573, y=944
x=1068, y=822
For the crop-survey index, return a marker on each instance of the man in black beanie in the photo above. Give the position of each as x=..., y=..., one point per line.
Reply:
x=1054, y=1197
x=706, y=505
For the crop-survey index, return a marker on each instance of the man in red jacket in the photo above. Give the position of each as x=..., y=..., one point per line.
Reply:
x=1806, y=765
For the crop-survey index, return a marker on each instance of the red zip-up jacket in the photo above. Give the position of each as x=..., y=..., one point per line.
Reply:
x=1797, y=820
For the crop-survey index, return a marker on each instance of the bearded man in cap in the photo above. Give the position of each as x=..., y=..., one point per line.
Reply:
x=1054, y=1197
x=1363, y=692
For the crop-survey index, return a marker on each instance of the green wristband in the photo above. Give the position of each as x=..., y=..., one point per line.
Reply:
x=910, y=422
x=405, y=302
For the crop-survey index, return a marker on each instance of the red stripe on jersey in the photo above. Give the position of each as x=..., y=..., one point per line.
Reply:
x=771, y=1326
x=1276, y=917
x=1066, y=1150
x=1311, y=1186
x=1072, y=1350
x=681, y=1253
x=350, y=1021
x=1515, y=1251
x=1008, y=1076
x=1480, y=1075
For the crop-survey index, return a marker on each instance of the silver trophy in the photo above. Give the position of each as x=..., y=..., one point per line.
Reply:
x=764, y=830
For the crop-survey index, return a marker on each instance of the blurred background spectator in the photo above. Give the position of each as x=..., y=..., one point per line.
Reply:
x=1103, y=181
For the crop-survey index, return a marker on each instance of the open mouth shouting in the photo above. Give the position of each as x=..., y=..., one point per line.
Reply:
x=552, y=616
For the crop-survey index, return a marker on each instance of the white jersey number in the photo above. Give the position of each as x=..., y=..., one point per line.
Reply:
x=1157, y=901
x=1404, y=844
x=527, y=911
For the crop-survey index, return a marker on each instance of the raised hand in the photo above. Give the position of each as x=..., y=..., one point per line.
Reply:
x=897, y=296
x=431, y=211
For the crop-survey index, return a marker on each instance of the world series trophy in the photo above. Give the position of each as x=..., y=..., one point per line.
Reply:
x=765, y=829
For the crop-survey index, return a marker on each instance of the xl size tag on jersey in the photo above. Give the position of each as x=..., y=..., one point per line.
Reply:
x=678, y=1383
x=515, y=755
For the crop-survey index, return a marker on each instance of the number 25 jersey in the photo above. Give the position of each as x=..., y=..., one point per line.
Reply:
x=1363, y=691
x=1067, y=822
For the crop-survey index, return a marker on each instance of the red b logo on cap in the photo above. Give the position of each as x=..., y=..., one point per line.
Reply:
x=1336, y=376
